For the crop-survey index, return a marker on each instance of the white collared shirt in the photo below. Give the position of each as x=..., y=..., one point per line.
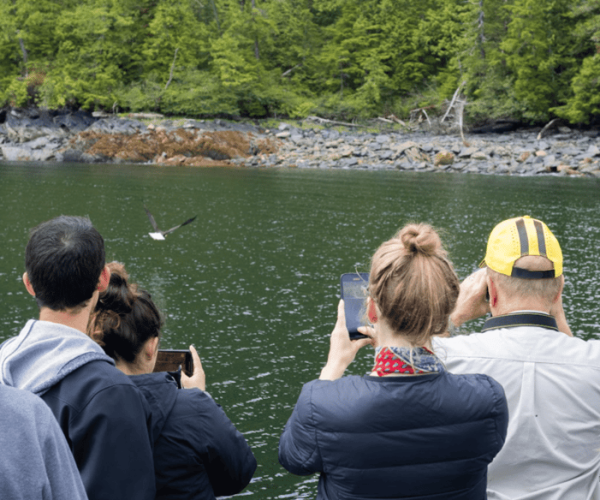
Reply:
x=552, y=385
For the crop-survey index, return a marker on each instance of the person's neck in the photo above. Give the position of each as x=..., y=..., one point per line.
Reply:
x=387, y=337
x=521, y=305
x=78, y=321
x=132, y=368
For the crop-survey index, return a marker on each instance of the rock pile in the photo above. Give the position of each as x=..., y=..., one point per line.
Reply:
x=517, y=153
x=82, y=138
x=79, y=137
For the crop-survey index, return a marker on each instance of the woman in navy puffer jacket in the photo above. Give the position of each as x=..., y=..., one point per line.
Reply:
x=198, y=453
x=409, y=429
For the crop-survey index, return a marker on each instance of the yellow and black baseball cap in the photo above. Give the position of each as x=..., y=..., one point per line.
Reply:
x=514, y=238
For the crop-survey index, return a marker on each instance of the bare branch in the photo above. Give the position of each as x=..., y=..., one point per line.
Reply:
x=172, y=69
x=286, y=73
x=426, y=116
x=452, y=101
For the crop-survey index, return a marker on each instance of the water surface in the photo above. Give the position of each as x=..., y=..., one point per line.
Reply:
x=253, y=282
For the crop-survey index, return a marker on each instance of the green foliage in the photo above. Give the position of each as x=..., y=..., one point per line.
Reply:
x=585, y=102
x=537, y=43
x=336, y=58
x=92, y=58
x=174, y=28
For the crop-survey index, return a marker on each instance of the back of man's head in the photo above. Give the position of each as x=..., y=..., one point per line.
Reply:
x=63, y=259
x=525, y=260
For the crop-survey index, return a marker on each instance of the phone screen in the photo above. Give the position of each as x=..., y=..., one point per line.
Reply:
x=354, y=291
x=169, y=360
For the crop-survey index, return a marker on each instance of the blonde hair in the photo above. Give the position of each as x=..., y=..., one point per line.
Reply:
x=413, y=283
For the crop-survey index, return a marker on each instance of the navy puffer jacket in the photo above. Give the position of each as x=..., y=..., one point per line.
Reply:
x=427, y=437
x=198, y=452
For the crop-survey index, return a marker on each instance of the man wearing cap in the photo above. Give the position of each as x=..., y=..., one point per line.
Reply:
x=551, y=379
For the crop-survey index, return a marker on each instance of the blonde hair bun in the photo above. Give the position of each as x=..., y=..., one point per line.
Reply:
x=413, y=283
x=421, y=239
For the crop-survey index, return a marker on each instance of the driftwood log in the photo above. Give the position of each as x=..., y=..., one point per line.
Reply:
x=331, y=122
x=549, y=126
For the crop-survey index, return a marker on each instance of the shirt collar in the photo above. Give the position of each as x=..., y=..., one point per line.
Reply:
x=521, y=318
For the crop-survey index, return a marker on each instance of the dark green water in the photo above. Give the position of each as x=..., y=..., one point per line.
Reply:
x=253, y=282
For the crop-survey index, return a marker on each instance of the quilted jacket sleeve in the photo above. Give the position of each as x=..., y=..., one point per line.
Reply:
x=231, y=463
x=298, y=447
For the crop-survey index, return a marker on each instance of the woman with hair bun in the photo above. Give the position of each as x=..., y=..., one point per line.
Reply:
x=198, y=453
x=408, y=429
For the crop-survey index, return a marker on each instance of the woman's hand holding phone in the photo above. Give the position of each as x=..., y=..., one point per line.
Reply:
x=198, y=378
x=342, y=350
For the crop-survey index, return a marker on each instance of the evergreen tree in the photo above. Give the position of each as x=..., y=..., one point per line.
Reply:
x=28, y=45
x=489, y=82
x=99, y=45
x=583, y=103
x=174, y=28
x=537, y=46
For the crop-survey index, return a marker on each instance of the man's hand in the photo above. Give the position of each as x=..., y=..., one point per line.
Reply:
x=198, y=379
x=472, y=301
x=342, y=350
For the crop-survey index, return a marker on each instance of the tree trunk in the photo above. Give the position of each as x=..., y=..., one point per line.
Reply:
x=216, y=14
x=256, y=50
x=24, y=51
x=481, y=25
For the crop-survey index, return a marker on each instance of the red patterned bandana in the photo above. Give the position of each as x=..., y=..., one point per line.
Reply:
x=401, y=360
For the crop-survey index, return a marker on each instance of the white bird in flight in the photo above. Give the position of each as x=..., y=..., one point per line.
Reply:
x=159, y=234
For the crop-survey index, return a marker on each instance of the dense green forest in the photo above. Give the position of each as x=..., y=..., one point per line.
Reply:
x=525, y=59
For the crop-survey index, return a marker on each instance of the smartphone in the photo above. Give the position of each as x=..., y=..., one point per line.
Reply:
x=354, y=293
x=169, y=360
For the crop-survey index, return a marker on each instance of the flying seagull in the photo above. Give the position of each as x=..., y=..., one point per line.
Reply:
x=159, y=234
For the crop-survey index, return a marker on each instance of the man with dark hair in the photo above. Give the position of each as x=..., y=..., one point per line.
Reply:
x=100, y=411
x=63, y=260
x=551, y=380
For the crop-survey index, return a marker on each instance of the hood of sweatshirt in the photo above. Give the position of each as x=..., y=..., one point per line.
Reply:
x=43, y=354
x=160, y=390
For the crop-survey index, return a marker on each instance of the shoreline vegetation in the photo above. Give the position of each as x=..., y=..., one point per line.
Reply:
x=423, y=146
x=341, y=60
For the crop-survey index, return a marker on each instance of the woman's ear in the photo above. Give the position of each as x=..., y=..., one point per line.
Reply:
x=372, y=311
x=151, y=347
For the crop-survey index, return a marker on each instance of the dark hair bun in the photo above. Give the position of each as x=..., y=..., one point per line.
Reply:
x=125, y=317
x=420, y=239
x=119, y=295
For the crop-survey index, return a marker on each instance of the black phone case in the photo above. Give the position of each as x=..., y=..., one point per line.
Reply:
x=354, y=293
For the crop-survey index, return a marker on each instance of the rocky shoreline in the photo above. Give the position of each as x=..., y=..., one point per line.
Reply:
x=34, y=135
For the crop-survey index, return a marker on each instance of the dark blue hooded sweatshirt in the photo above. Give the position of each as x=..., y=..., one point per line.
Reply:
x=198, y=452
x=101, y=412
